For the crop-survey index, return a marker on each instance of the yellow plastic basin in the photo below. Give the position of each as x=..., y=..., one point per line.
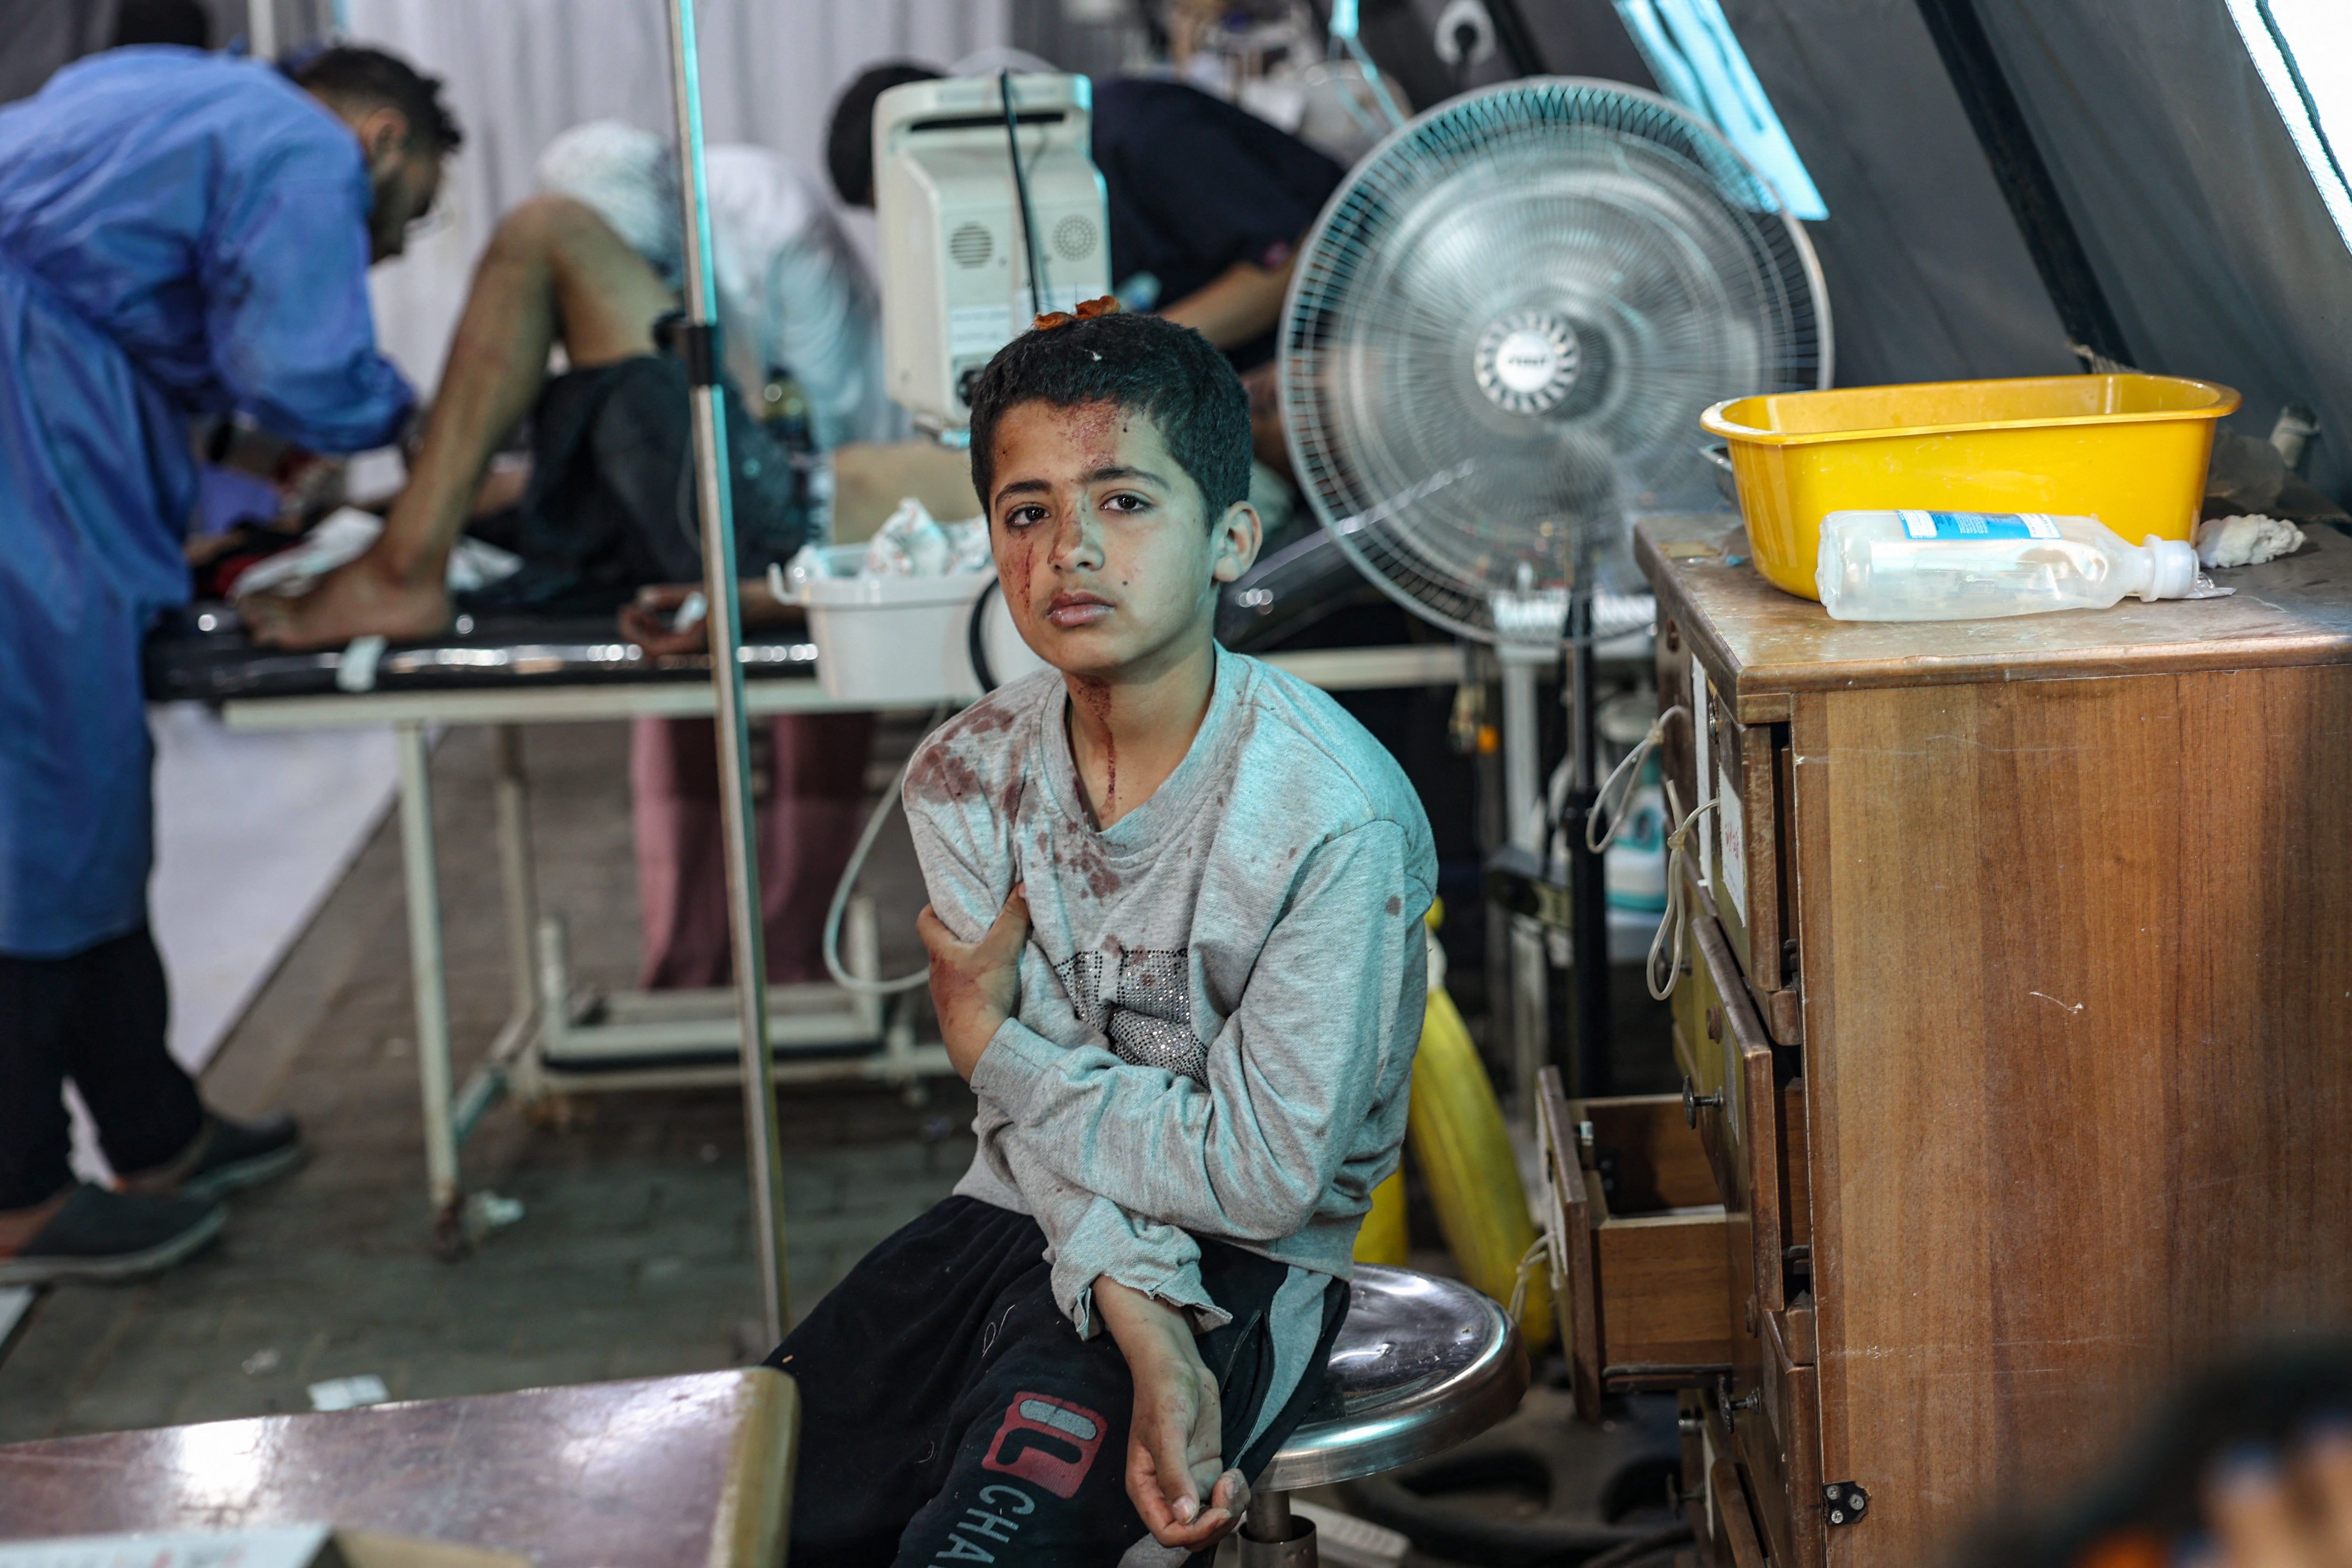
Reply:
x=2130, y=450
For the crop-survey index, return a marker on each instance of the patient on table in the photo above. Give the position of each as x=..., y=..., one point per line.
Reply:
x=1177, y=949
x=606, y=504
x=603, y=514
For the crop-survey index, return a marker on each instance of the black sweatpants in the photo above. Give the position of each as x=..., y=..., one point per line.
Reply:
x=97, y=1017
x=950, y=1413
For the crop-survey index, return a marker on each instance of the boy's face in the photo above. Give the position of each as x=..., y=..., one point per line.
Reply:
x=1107, y=564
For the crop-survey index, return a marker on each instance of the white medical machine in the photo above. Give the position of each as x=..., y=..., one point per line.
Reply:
x=991, y=213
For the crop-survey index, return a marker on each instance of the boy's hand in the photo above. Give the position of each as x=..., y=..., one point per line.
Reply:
x=1174, y=1446
x=975, y=985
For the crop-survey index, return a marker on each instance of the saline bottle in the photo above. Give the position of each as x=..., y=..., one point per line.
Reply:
x=1911, y=565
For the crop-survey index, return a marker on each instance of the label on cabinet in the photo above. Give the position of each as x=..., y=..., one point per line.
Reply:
x=1703, y=744
x=1732, y=817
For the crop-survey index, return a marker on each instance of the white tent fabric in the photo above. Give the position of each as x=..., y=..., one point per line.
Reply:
x=520, y=71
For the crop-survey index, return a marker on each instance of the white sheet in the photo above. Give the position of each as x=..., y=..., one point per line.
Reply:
x=252, y=832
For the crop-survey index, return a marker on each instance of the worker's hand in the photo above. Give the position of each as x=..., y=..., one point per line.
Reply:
x=1174, y=1444
x=2267, y=1514
x=975, y=985
x=366, y=598
x=651, y=622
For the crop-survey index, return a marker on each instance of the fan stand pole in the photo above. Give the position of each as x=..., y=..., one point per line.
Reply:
x=1591, y=1065
x=1525, y=809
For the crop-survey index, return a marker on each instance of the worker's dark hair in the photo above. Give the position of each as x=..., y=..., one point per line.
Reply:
x=1145, y=364
x=849, y=132
x=371, y=77
x=162, y=22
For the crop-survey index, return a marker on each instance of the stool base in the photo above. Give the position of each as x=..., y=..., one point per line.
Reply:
x=1273, y=1537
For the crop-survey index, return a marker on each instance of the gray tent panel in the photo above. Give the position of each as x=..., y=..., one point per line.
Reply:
x=2202, y=222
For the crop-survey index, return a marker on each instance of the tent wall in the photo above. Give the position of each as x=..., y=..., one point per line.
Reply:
x=2202, y=222
x=1927, y=275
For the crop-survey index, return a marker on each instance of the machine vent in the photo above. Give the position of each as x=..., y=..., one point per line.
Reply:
x=1074, y=238
x=972, y=245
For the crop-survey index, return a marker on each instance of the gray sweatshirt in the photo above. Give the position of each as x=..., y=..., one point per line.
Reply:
x=1221, y=994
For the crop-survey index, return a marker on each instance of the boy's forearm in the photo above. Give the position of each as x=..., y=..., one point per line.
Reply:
x=1145, y=1327
x=1175, y=1474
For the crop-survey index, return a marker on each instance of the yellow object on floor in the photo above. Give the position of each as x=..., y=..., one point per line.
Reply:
x=1463, y=1153
x=1383, y=1238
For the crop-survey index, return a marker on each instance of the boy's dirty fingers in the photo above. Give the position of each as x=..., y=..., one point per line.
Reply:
x=1009, y=931
x=1160, y=1487
x=938, y=940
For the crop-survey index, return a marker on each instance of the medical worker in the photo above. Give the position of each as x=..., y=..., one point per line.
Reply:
x=182, y=235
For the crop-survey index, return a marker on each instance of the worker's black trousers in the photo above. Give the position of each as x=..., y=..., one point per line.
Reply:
x=950, y=1413
x=98, y=1018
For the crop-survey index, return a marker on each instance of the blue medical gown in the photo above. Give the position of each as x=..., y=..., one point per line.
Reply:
x=180, y=234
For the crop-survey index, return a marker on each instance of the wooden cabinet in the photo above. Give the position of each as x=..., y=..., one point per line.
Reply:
x=2017, y=1016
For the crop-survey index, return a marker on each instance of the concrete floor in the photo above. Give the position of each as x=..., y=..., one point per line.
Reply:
x=633, y=1255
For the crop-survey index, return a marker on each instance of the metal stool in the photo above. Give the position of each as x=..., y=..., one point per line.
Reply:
x=1422, y=1364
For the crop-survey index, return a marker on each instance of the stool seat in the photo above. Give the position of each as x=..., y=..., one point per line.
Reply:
x=1420, y=1365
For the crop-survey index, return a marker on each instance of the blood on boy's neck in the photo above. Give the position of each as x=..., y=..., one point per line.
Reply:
x=1109, y=566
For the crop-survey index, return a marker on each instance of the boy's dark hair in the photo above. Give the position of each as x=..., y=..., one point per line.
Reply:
x=849, y=132
x=371, y=77
x=1145, y=364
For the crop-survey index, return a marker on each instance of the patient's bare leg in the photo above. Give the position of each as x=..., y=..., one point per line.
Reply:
x=554, y=269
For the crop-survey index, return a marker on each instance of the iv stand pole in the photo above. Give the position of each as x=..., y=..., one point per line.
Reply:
x=697, y=342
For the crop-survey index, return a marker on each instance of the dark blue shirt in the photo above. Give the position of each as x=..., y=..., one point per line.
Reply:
x=1196, y=185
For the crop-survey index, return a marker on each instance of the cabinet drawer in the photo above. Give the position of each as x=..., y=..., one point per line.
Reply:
x=1777, y=1441
x=1735, y=1542
x=1635, y=1211
x=1750, y=1123
x=1744, y=1132
x=1748, y=860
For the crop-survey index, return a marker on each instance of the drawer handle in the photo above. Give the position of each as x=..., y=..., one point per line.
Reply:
x=1693, y=1100
x=1715, y=1024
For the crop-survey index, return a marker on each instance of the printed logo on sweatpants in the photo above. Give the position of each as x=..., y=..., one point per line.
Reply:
x=1047, y=1441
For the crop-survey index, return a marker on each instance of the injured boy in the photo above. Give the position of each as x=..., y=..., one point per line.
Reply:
x=1177, y=949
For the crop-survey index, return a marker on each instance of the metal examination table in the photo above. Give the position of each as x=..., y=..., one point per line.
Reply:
x=509, y=674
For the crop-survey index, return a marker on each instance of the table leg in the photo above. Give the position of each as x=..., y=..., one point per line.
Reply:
x=510, y=798
x=428, y=976
x=511, y=793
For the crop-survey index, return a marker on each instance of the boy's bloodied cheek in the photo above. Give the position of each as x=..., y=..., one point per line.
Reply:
x=1100, y=539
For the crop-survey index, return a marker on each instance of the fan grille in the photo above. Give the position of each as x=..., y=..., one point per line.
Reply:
x=1504, y=326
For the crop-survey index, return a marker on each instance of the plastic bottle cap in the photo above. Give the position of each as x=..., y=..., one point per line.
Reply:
x=2175, y=572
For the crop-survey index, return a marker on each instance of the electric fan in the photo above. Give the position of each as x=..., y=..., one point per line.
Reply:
x=1500, y=336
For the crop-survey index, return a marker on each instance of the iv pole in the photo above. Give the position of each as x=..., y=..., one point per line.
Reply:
x=698, y=344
